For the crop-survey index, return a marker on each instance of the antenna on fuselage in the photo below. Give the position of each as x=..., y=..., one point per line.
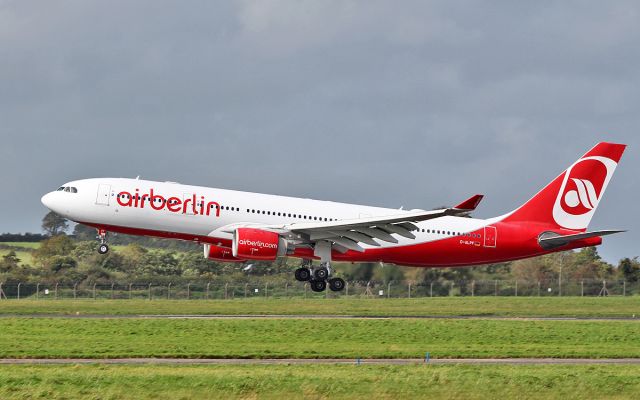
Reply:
x=138, y=177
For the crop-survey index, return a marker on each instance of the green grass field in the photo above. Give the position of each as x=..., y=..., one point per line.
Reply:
x=26, y=257
x=23, y=245
x=24, y=250
x=319, y=338
x=437, y=306
x=319, y=382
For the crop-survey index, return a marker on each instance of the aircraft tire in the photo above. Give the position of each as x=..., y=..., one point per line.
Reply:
x=303, y=274
x=320, y=274
x=103, y=249
x=336, y=284
x=318, y=286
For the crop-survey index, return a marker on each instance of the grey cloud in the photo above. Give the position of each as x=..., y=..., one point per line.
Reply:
x=386, y=103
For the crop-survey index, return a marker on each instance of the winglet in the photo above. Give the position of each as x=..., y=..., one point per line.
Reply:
x=471, y=203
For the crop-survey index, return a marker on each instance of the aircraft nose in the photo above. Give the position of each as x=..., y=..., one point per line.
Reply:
x=47, y=200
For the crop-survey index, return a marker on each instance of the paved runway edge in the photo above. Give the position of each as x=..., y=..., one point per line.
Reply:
x=377, y=361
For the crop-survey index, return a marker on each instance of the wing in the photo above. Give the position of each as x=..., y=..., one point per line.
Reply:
x=348, y=234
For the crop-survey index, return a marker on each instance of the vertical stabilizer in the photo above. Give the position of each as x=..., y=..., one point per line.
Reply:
x=571, y=199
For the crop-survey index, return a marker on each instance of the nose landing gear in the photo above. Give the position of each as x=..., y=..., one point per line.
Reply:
x=318, y=278
x=102, y=236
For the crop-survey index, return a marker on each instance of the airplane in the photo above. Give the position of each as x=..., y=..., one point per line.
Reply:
x=236, y=226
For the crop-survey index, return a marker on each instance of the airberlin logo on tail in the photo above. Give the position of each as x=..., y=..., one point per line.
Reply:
x=582, y=188
x=193, y=205
x=584, y=195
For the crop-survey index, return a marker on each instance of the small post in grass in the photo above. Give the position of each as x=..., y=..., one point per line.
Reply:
x=358, y=361
x=427, y=357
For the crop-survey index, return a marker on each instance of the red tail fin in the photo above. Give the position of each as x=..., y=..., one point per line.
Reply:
x=571, y=199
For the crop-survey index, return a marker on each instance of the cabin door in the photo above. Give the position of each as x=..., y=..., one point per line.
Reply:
x=490, y=236
x=104, y=194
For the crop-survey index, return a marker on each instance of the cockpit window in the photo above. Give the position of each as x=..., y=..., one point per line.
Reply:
x=68, y=189
x=60, y=189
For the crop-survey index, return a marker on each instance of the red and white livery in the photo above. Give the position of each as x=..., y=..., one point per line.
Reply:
x=238, y=226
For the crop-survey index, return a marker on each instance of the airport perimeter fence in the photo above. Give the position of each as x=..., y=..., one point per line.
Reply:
x=371, y=289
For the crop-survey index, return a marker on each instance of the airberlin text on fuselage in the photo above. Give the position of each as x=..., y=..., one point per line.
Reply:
x=173, y=204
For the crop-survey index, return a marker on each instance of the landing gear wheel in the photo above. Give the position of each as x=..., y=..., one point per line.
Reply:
x=318, y=286
x=103, y=249
x=303, y=274
x=320, y=274
x=336, y=284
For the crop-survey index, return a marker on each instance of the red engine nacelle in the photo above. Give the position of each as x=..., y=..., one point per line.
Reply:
x=218, y=253
x=258, y=244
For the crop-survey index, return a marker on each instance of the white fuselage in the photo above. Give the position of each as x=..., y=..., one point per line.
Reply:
x=100, y=202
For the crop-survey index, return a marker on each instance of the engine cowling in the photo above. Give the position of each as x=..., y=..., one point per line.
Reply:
x=258, y=244
x=219, y=253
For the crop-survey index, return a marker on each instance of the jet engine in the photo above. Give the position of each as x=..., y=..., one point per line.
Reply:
x=258, y=244
x=218, y=253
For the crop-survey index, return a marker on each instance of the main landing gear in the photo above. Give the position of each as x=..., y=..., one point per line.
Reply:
x=318, y=278
x=102, y=236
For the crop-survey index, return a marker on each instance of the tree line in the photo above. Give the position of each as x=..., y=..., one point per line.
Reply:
x=72, y=258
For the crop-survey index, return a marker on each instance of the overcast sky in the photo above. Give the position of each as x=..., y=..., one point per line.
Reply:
x=413, y=103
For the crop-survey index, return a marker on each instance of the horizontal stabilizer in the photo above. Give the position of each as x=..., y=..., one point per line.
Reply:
x=550, y=240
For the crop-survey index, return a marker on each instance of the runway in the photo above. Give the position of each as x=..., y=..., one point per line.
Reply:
x=311, y=316
x=298, y=361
